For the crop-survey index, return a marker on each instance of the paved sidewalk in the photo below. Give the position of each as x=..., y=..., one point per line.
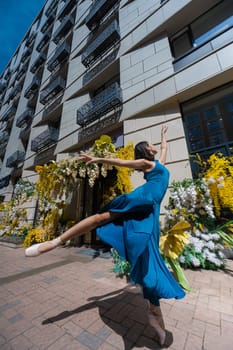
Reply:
x=67, y=300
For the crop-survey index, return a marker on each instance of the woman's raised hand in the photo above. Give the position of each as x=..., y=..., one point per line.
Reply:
x=164, y=129
x=87, y=158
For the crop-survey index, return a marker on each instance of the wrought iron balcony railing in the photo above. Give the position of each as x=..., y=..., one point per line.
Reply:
x=14, y=92
x=24, y=134
x=16, y=158
x=32, y=88
x=31, y=103
x=30, y=39
x=4, y=181
x=8, y=114
x=24, y=118
x=21, y=72
x=66, y=9
x=64, y=28
x=51, y=8
x=4, y=137
x=2, y=151
x=90, y=74
x=2, y=86
x=97, y=11
x=8, y=74
x=45, y=156
x=38, y=62
x=59, y=56
x=107, y=38
x=52, y=109
x=106, y=101
x=44, y=41
x=45, y=139
x=26, y=54
x=52, y=89
x=48, y=23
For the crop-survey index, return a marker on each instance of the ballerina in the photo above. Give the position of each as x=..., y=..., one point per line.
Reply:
x=130, y=224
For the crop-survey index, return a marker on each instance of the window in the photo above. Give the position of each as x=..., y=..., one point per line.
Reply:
x=211, y=24
x=182, y=43
x=208, y=123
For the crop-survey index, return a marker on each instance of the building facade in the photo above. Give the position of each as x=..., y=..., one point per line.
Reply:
x=122, y=68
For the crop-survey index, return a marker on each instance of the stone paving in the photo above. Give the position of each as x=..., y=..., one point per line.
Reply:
x=67, y=300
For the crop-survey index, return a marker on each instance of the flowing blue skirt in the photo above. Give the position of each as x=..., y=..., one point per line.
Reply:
x=135, y=235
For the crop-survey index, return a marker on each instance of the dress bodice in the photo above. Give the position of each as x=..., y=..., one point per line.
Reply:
x=158, y=172
x=157, y=180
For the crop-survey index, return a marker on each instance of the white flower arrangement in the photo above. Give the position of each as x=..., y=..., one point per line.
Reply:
x=190, y=200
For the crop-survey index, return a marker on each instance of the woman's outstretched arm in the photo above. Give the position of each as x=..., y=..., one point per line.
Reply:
x=139, y=164
x=163, y=154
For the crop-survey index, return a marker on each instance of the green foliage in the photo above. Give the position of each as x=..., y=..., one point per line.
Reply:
x=121, y=266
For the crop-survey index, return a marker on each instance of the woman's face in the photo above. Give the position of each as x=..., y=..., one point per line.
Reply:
x=151, y=148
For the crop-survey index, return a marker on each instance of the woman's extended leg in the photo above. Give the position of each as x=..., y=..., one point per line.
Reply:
x=82, y=227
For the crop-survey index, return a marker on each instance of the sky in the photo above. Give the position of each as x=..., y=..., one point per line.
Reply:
x=16, y=17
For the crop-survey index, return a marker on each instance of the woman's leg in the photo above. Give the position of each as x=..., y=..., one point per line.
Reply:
x=156, y=321
x=82, y=227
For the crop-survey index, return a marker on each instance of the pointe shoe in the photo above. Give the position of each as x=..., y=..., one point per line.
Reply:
x=39, y=248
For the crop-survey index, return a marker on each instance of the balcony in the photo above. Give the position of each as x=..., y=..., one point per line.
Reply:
x=51, y=8
x=8, y=114
x=45, y=156
x=2, y=86
x=97, y=11
x=2, y=151
x=16, y=158
x=31, y=103
x=26, y=54
x=38, y=62
x=45, y=139
x=52, y=112
x=107, y=38
x=31, y=39
x=21, y=72
x=44, y=41
x=66, y=9
x=4, y=137
x=52, y=89
x=32, y=88
x=15, y=91
x=48, y=23
x=90, y=74
x=106, y=101
x=4, y=181
x=64, y=28
x=24, y=119
x=59, y=56
x=24, y=134
x=8, y=74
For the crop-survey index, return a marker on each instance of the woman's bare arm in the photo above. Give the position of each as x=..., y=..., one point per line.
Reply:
x=163, y=154
x=139, y=164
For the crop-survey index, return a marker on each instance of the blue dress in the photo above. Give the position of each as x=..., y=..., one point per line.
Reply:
x=135, y=235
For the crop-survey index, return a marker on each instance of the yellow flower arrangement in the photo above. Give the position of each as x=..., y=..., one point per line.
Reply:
x=219, y=176
x=123, y=174
x=36, y=235
x=173, y=242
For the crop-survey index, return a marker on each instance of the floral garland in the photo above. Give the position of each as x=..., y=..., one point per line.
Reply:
x=13, y=216
x=57, y=179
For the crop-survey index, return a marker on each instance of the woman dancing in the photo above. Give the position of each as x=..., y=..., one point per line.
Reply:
x=130, y=224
